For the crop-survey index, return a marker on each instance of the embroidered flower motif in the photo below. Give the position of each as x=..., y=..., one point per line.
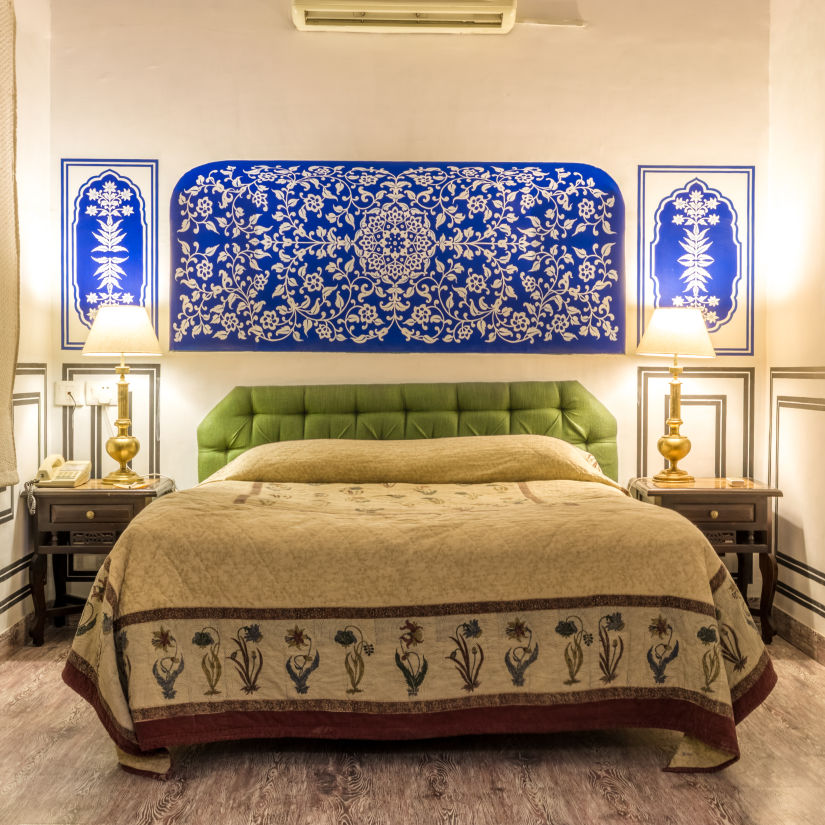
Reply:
x=586, y=209
x=471, y=629
x=529, y=283
x=559, y=323
x=659, y=626
x=527, y=202
x=345, y=638
x=706, y=635
x=269, y=320
x=517, y=629
x=162, y=639
x=296, y=637
x=204, y=207
x=252, y=633
x=203, y=269
x=202, y=639
x=613, y=621
x=324, y=331
x=413, y=634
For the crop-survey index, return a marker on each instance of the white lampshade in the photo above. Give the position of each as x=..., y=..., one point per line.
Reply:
x=677, y=331
x=122, y=330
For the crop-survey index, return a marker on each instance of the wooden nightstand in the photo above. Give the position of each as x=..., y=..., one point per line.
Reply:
x=86, y=519
x=734, y=520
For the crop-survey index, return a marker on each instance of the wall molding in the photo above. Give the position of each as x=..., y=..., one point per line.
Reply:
x=98, y=435
x=719, y=402
x=780, y=402
x=22, y=399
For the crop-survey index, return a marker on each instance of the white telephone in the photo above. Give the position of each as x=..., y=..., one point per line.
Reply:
x=55, y=471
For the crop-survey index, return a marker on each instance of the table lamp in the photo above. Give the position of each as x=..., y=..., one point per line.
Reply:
x=122, y=330
x=674, y=332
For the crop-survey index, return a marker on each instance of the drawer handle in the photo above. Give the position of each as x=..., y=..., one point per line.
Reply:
x=714, y=514
x=90, y=514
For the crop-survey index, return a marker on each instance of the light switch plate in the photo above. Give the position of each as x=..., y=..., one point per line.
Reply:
x=69, y=394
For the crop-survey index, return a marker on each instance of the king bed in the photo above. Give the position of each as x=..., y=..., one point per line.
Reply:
x=413, y=561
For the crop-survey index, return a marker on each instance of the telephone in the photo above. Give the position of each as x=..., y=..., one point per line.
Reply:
x=55, y=471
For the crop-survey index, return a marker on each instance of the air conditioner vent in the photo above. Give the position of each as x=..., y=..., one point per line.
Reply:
x=387, y=16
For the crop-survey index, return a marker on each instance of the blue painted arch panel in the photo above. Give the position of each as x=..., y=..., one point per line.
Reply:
x=397, y=257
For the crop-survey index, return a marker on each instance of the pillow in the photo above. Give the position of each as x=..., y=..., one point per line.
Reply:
x=467, y=459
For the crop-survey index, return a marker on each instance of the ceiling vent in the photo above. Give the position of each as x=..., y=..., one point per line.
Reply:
x=405, y=17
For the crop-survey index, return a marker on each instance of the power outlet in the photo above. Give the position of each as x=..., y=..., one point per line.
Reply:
x=100, y=393
x=68, y=394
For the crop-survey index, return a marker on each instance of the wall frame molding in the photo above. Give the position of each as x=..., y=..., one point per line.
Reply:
x=98, y=434
x=781, y=402
x=719, y=402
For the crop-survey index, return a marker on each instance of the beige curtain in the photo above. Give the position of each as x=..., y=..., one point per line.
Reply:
x=9, y=274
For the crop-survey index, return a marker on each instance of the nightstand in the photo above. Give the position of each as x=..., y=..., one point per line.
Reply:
x=734, y=520
x=88, y=520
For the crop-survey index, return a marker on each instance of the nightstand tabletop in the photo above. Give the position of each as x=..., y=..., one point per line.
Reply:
x=713, y=486
x=95, y=486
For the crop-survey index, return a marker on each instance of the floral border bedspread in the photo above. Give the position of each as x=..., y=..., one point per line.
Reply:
x=246, y=609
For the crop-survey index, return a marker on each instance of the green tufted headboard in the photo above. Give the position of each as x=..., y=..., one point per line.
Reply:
x=249, y=416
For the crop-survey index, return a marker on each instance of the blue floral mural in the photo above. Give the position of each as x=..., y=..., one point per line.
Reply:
x=275, y=255
x=109, y=240
x=697, y=252
x=696, y=248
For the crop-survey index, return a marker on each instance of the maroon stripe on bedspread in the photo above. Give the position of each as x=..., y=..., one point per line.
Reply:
x=254, y=491
x=81, y=678
x=718, y=578
x=419, y=610
x=671, y=714
x=752, y=691
x=528, y=493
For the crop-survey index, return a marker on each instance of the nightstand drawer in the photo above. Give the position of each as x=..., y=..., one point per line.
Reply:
x=715, y=512
x=81, y=513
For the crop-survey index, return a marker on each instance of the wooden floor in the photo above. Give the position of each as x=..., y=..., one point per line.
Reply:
x=58, y=766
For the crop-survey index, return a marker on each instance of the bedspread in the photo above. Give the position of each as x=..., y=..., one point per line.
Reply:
x=250, y=607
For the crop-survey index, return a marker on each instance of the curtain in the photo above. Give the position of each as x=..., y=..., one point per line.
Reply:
x=9, y=271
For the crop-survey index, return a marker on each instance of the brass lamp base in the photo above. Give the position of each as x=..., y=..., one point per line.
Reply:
x=673, y=445
x=676, y=476
x=122, y=447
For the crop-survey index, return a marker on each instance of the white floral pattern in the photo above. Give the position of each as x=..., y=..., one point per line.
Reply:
x=441, y=257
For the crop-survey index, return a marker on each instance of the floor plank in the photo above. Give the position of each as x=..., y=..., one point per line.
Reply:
x=57, y=768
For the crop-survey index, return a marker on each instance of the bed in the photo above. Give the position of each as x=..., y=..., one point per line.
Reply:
x=412, y=561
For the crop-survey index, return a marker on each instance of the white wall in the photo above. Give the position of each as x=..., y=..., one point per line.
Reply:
x=189, y=81
x=795, y=285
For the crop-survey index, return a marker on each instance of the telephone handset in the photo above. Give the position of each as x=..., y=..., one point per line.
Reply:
x=55, y=471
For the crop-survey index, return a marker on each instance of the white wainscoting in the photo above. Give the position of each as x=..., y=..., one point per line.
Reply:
x=795, y=466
